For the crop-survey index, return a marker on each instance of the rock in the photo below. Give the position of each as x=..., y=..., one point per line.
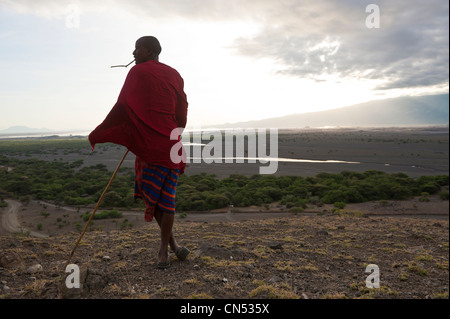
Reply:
x=91, y=280
x=275, y=279
x=34, y=269
x=106, y=258
x=275, y=245
x=95, y=279
x=247, y=275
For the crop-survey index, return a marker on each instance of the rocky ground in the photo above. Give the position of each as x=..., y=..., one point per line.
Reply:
x=313, y=256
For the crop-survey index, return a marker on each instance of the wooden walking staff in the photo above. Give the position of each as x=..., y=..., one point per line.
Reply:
x=95, y=209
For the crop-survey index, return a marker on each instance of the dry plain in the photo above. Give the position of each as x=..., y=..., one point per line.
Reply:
x=254, y=252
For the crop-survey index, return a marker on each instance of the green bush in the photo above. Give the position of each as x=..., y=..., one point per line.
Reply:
x=45, y=214
x=112, y=199
x=76, y=184
x=443, y=195
x=340, y=205
x=430, y=188
x=125, y=224
x=103, y=215
x=216, y=201
x=296, y=209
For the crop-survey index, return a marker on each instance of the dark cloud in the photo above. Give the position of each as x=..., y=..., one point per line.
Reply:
x=410, y=49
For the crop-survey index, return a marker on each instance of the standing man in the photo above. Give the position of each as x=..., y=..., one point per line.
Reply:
x=151, y=105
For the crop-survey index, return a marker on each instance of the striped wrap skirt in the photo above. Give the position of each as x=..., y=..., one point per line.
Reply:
x=156, y=186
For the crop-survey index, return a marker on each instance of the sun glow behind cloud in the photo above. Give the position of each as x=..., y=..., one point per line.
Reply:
x=240, y=60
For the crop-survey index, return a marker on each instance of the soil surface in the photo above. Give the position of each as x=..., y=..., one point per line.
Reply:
x=257, y=253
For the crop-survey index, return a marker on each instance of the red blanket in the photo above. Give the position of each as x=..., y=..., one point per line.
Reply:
x=151, y=104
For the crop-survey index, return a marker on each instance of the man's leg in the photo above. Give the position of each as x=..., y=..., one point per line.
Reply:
x=165, y=222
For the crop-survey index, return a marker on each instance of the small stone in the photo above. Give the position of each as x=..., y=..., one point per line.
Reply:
x=322, y=232
x=275, y=245
x=275, y=279
x=34, y=269
x=106, y=258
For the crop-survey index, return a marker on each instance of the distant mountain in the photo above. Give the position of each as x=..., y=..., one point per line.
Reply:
x=24, y=130
x=401, y=111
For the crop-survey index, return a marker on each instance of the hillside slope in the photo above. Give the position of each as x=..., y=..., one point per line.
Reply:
x=293, y=257
x=403, y=111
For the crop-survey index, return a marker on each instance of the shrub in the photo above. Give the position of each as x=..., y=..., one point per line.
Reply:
x=103, y=215
x=332, y=196
x=303, y=203
x=430, y=188
x=45, y=214
x=339, y=205
x=112, y=199
x=296, y=209
x=443, y=195
x=214, y=201
x=68, y=200
x=125, y=224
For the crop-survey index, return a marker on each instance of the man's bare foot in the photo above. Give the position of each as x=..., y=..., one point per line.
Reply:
x=163, y=258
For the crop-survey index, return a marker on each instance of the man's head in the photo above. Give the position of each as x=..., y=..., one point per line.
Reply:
x=147, y=48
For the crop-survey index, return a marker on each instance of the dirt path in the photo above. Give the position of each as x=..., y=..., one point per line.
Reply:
x=10, y=224
x=61, y=219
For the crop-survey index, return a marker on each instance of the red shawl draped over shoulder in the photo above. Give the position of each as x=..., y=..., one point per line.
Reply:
x=151, y=104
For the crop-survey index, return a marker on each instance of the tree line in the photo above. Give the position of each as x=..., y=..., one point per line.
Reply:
x=71, y=184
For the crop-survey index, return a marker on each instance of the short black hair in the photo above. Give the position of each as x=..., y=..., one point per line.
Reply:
x=151, y=43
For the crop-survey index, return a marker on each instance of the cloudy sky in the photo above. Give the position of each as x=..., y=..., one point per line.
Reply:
x=240, y=59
